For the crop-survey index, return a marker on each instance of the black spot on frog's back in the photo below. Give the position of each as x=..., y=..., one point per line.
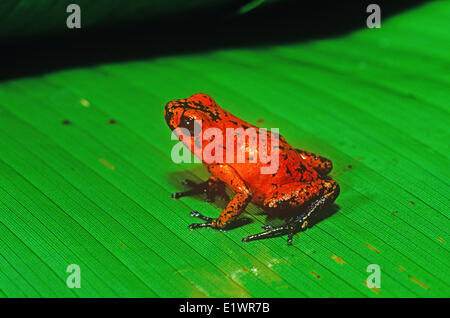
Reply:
x=288, y=171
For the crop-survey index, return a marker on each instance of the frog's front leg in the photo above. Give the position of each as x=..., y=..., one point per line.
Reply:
x=316, y=195
x=235, y=207
x=210, y=187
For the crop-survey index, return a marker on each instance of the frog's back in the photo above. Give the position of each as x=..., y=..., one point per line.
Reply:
x=258, y=146
x=290, y=168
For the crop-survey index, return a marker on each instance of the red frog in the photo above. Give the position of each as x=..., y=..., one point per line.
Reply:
x=300, y=184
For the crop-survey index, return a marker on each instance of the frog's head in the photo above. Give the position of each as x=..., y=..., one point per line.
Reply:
x=189, y=112
x=189, y=118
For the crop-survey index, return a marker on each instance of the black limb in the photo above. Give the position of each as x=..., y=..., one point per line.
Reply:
x=196, y=188
x=209, y=187
x=291, y=227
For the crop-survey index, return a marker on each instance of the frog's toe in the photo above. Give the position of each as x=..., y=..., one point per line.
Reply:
x=290, y=236
x=271, y=231
x=194, y=226
x=198, y=215
x=177, y=195
x=209, y=222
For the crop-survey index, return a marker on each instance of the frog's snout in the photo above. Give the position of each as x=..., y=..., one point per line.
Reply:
x=168, y=114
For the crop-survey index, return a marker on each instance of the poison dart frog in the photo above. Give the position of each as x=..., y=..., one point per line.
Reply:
x=300, y=184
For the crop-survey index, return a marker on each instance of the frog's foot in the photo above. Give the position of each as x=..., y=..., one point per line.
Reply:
x=211, y=188
x=290, y=228
x=298, y=223
x=209, y=222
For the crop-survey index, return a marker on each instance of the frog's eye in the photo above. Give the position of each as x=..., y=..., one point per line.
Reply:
x=190, y=124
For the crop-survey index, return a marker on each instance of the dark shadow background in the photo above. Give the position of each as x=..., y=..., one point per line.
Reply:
x=286, y=22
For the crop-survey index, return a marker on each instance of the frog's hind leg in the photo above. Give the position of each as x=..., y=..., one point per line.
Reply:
x=321, y=164
x=324, y=197
x=210, y=187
